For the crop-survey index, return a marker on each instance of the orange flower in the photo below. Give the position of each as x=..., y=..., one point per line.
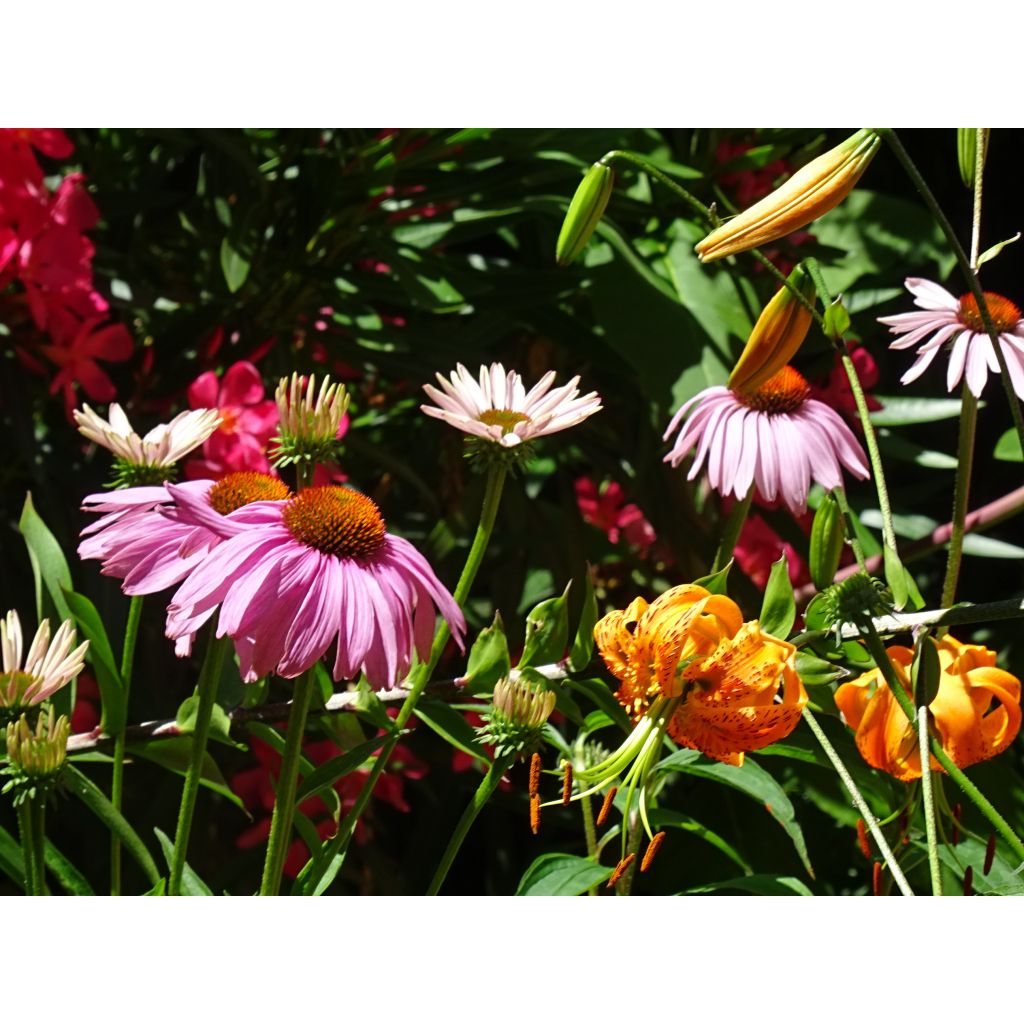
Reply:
x=719, y=674
x=970, y=727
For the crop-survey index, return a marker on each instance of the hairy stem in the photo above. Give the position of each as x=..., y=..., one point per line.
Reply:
x=928, y=798
x=961, y=493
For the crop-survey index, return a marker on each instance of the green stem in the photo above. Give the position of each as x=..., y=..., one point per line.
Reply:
x=860, y=803
x=209, y=678
x=981, y=144
x=851, y=534
x=928, y=798
x=488, y=784
x=965, y=266
x=287, y=782
x=30, y=825
x=731, y=531
x=131, y=634
x=961, y=493
x=624, y=886
x=422, y=673
x=969, y=789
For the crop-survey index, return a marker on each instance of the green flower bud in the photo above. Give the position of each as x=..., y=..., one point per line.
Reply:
x=518, y=713
x=36, y=756
x=967, y=153
x=584, y=213
x=854, y=599
x=925, y=671
x=827, y=536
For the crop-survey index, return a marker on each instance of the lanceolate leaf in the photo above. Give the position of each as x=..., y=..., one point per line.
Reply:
x=561, y=874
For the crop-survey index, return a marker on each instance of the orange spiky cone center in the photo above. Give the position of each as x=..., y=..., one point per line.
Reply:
x=335, y=520
x=785, y=392
x=238, y=489
x=1005, y=315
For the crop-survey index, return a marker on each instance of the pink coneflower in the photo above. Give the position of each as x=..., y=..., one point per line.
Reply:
x=145, y=541
x=958, y=321
x=776, y=436
x=29, y=679
x=498, y=408
x=324, y=567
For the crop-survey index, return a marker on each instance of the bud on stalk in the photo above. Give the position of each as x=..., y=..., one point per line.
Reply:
x=815, y=189
x=584, y=213
x=826, y=542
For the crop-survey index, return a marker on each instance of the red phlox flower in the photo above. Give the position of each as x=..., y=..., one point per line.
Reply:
x=85, y=716
x=77, y=360
x=759, y=546
x=606, y=509
x=748, y=184
x=835, y=390
x=248, y=422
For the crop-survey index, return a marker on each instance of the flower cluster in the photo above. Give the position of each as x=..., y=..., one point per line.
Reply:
x=44, y=247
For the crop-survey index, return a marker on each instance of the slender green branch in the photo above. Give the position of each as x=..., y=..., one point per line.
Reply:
x=860, y=803
x=965, y=266
x=131, y=634
x=851, y=534
x=929, y=801
x=589, y=833
x=287, y=781
x=981, y=144
x=488, y=784
x=209, y=678
x=731, y=531
x=961, y=493
x=30, y=826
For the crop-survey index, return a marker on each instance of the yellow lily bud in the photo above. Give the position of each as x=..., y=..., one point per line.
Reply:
x=815, y=189
x=780, y=330
x=584, y=213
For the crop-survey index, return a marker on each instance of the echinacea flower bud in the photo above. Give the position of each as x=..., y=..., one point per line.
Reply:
x=780, y=330
x=854, y=599
x=826, y=548
x=815, y=189
x=518, y=713
x=584, y=213
x=309, y=422
x=36, y=756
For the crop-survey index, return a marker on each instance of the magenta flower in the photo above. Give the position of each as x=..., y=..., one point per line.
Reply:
x=248, y=421
x=946, y=319
x=143, y=539
x=318, y=567
x=776, y=437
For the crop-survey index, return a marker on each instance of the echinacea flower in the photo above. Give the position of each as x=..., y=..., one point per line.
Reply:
x=148, y=459
x=775, y=436
x=143, y=540
x=976, y=711
x=316, y=568
x=48, y=667
x=943, y=320
x=498, y=408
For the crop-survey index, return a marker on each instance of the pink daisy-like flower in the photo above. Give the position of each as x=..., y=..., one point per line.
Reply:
x=318, y=567
x=776, y=437
x=498, y=408
x=944, y=318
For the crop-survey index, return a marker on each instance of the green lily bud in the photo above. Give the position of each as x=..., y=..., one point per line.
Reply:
x=925, y=671
x=967, y=153
x=584, y=213
x=826, y=542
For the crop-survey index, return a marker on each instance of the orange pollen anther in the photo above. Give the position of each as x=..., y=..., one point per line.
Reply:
x=785, y=392
x=567, y=784
x=606, y=807
x=969, y=881
x=990, y=853
x=652, y=849
x=1005, y=315
x=504, y=418
x=620, y=869
x=238, y=489
x=335, y=520
x=535, y=813
x=876, y=878
x=535, y=775
x=862, y=839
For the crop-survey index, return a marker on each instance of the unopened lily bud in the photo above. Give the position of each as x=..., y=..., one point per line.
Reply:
x=967, y=153
x=826, y=542
x=780, y=330
x=584, y=213
x=925, y=671
x=815, y=189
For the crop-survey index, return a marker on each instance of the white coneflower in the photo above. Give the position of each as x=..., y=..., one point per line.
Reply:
x=47, y=668
x=149, y=459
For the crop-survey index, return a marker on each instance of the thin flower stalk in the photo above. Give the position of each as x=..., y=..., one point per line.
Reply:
x=31, y=828
x=731, y=531
x=209, y=678
x=928, y=799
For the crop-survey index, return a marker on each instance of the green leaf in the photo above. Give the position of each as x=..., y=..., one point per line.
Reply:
x=837, y=320
x=72, y=881
x=561, y=874
x=597, y=691
x=896, y=577
x=778, y=609
x=717, y=582
x=758, y=885
x=815, y=671
x=328, y=773
x=993, y=251
x=547, y=632
x=49, y=567
x=100, y=655
x=749, y=778
x=1008, y=447
x=220, y=723
x=489, y=659
x=583, y=645
x=900, y=412
x=450, y=725
x=661, y=817
x=175, y=753
x=89, y=793
x=12, y=863
x=191, y=883
x=234, y=265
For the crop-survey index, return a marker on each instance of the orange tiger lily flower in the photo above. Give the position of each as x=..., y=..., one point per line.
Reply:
x=717, y=677
x=976, y=710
